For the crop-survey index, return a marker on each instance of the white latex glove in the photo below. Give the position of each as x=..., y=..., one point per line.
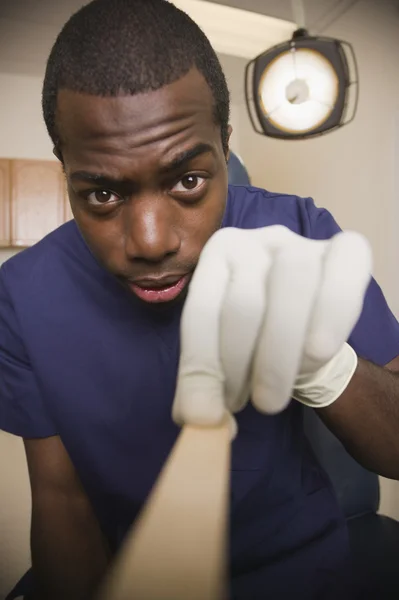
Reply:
x=267, y=316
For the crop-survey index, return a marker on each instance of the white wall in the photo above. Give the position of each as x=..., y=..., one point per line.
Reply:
x=23, y=133
x=353, y=172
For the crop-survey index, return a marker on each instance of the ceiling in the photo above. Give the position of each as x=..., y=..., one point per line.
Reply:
x=56, y=12
x=28, y=28
x=315, y=10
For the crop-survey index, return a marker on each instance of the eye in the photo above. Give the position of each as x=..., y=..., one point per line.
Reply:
x=102, y=197
x=189, y=183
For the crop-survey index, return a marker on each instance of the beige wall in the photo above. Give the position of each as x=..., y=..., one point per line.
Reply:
x=353, y=172
x=14, y=512
x=23, y=133
x=14, y=503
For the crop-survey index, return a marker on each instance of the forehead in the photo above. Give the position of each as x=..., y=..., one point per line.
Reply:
x=151, y=123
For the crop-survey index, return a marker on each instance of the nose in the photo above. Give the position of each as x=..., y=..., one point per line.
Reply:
x=152, y=230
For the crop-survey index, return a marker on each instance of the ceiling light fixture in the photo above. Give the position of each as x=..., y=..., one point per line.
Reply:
x=304, y=87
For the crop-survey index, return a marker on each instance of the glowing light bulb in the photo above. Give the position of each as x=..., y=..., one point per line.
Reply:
x=298, y=90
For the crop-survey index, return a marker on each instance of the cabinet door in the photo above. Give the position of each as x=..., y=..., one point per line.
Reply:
x=37, y=200
x=5, y=232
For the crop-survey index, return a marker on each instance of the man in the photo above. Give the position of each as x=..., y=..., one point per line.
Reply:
x=137, y=107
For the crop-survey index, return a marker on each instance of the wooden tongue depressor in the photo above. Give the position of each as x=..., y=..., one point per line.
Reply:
x=178, y=547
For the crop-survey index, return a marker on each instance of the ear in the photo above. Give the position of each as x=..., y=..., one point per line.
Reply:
x=230, y=131
x=57, y=153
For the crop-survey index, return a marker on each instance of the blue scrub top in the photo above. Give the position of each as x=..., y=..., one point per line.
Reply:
x=82, y=359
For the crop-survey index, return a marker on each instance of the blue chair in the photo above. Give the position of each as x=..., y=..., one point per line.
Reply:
x=238, y=174
x=24, y=588
x=374, y=538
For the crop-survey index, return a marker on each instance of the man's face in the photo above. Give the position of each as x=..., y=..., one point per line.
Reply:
x=147, y=180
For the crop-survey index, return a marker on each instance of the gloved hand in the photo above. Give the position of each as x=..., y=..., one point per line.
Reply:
x=267, y=317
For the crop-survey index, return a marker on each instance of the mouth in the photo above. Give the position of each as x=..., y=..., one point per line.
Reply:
x=156, y=291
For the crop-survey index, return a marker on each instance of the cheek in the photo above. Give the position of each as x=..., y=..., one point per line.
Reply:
x=201, y=222
x=212, y=215
x=104, y=238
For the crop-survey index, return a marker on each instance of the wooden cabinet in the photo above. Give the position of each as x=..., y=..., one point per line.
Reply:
x=33, y=200
x=5, y=231
x=37, y=200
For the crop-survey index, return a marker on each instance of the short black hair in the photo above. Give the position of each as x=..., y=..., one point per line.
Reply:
x=112, y=47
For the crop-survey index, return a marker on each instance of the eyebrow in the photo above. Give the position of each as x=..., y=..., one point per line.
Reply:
x=175, y=164
x=186, y=156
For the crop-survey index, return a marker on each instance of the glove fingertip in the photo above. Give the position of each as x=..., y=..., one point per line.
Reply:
x=199, y=408
x=265, y=401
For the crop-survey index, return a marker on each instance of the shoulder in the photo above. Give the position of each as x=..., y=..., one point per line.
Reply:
x=48, y=276
x=250, y=207
x=48, y=258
